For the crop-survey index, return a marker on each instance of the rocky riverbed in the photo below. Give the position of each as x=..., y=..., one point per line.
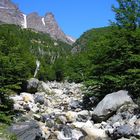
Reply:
x=54, y=111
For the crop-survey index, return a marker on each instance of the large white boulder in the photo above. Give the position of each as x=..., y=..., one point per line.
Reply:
x=44, y=87
x=109, y=105
x=93, y=132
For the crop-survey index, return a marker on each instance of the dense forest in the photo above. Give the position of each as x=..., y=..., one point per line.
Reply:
x=19, y=50
x=107, y=59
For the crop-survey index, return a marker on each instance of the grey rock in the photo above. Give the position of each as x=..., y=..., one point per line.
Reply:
x=137, y=131
x=35, y=22
x=39, y=99
x=54, y=30
x=76, y=134
x=37, y=117
x=67, y=132
x=9, y=13
x=26, y=130
x=26, y=107
x=83, y=116
x=94, y=133
x=123, y=131
x=75, y=104
x=47, y=117
x=32, y=85
x=43, y=87
x=61, y=120
x=110, y=104
x=124, y=114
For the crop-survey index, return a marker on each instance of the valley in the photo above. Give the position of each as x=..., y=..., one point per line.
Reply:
x=55, y=87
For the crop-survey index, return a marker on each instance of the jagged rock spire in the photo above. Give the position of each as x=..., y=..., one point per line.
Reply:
x=10, y=13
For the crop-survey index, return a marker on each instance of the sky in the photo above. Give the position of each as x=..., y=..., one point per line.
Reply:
x=73, y=16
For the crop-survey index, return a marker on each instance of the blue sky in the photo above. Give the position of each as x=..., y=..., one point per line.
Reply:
x=73, y=16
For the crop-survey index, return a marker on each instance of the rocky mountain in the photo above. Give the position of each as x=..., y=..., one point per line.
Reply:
x=11, y=14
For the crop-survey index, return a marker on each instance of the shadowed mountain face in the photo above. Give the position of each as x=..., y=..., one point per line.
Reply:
x=10, y=13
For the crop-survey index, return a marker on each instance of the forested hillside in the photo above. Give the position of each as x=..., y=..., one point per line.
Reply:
x=19, y=50
x=109, y=62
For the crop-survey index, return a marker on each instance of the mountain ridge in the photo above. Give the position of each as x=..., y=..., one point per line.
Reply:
x=11, y=14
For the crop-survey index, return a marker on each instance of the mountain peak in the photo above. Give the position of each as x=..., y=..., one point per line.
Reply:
x=10, y=13
x=49, y=14
x=8, y=4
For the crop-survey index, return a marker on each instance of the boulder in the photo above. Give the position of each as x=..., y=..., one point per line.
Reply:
x=68, y=134
x=58, y=92
x=110, y=104
x=83, y=116
x=76, y=134
x=125, y=113
x=16, y=98
x=32, y=85
x=45, y=131
x=37, y=117
x=31, y=107
x=123, y=131
x=94, y=133
x=18, y=107
x=27, y=97
x=61, y=119
x=39, y=99
x=78, y=125
x=71, y=116
x=74, y=104
x=67, y=131
x=43, y=87
x=26, y=130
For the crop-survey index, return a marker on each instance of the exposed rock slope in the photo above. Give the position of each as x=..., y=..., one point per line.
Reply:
x=10, y=13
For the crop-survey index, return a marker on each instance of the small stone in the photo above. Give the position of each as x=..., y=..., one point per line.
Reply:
x=62, y=119
x=46, y=132
x=71, y=116
x=39, y=99
x=117, y=124
x=132, y=120
x=27, y=97
x=76, y=134
x=137, y=122
x=37, y=117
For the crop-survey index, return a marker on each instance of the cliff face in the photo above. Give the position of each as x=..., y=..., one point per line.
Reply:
x=10, y=14
x=34, y=21
x=53, y=29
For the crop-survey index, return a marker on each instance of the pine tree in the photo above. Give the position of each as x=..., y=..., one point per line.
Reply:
x=127, y=14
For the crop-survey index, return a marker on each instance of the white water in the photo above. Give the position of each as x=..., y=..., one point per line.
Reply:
x=24, y=24
x=43, y=21
x=37, y=67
